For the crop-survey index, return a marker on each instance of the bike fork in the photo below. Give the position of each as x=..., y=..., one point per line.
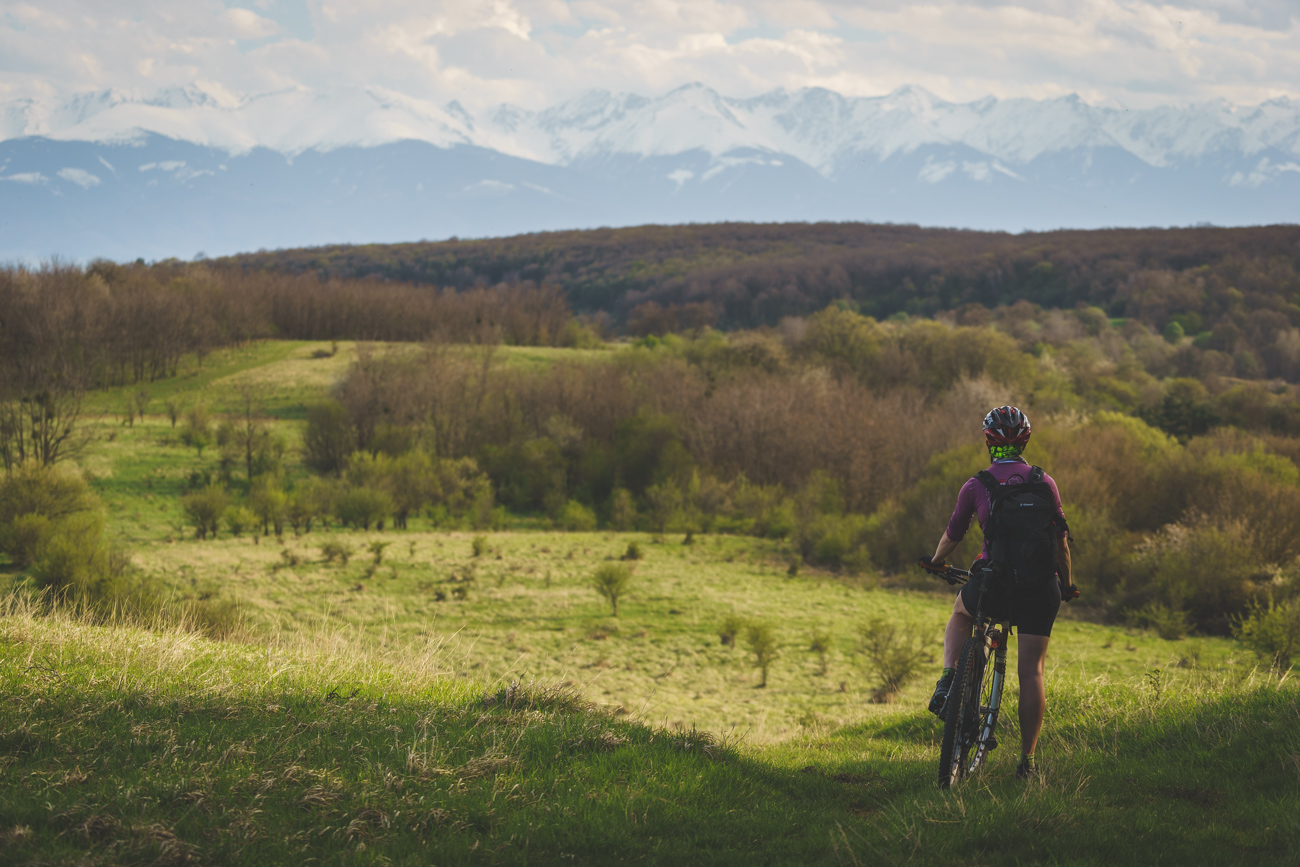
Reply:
x=995, y=692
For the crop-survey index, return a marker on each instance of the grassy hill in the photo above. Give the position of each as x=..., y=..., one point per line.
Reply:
x=470, y=699
x=130, y=746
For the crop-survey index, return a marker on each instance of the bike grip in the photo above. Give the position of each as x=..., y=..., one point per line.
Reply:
x=1069, y=594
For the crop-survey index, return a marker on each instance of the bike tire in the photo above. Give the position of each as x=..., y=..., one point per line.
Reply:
x=989, y=707
x=961, y=712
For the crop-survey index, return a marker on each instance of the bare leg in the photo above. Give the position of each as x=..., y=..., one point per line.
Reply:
x=959, y=627
x=1033, y=693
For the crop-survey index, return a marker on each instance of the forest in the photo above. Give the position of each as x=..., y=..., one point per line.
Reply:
x=745, y=275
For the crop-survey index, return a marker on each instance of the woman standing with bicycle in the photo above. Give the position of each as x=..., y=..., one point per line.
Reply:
x=1019, y=580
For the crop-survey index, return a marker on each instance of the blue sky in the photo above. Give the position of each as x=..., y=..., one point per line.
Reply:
x=537, y=52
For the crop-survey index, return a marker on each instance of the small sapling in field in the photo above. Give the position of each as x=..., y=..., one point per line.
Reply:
x=895, y=653
x=376, y=550
x=633, y=552
x=730, y=628
x=821, y=645
x=761, y=639
x=332, y=551
x=479, y=544
x=611, y=581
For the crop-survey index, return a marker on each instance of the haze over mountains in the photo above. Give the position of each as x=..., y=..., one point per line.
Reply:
x=128, y=175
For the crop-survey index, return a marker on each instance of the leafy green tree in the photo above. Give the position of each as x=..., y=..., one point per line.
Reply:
x=612, y=581
x=204, y=509
x=761, y=639
x=363, y=507
x=328, y=439
x=267, y=499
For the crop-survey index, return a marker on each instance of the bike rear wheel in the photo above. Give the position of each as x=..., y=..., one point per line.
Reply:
x=961, y=712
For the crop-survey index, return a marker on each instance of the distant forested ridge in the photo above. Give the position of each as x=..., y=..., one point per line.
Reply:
x=744, y=275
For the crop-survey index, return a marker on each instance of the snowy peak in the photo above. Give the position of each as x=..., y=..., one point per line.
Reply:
x=818, y=127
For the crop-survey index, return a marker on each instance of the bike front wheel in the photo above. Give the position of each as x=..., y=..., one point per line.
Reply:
x=961, y=712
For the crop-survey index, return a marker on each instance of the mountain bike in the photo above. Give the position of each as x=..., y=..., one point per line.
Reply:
x=970, y=713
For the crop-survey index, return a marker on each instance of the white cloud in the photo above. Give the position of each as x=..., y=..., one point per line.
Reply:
x=535, y=52
x=80, y=177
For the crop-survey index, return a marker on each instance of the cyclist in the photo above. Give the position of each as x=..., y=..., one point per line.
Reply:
x=1006, y=431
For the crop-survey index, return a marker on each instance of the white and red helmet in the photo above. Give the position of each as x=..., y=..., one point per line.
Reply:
x=1006, y=426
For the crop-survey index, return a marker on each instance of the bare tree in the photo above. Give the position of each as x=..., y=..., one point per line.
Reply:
x=41, y=426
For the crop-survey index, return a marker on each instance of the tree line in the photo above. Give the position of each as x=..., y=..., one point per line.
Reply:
x=744, y=275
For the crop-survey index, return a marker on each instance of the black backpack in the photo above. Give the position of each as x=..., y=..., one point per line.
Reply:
x=1023, y=530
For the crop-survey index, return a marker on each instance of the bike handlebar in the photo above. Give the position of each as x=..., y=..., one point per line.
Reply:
x=953, y=576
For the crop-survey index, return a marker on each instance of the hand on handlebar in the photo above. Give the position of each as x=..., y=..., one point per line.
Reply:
x=941, y=569
x=1069, y=592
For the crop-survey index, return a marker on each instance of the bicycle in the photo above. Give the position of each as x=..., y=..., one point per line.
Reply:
x=970, y=713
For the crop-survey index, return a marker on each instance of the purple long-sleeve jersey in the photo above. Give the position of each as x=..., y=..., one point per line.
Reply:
x=974, y=500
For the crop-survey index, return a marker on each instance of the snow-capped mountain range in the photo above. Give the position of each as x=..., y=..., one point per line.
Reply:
x=201, y=168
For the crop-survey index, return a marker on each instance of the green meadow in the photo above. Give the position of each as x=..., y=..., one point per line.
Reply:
x=450, y=696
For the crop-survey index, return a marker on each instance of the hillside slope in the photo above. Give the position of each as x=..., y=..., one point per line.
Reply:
x=129, y=747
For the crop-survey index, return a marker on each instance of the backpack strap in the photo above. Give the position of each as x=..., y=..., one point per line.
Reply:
x=1036, y=476
x=989, y=481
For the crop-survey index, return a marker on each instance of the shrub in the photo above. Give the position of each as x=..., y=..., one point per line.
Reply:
x=895, y=653
x=197, y=430
x=761, y=638
x=1169, y=623
x=633, y=552
x=310, y=501
x=1196, y=566
x=215, y=618
x=1273, y=632
x=577, y=518
x=611, y=582
x=238, y=519
x=328, y=439
x=730, y=628
x=376, y=550
x=821, y=645
x=204, y=509
x=363, y=507
x=268, y=500
x=479, y=545
x=835, y=540
x=25, y=538
x=622, y=510
x=334, y=550
x=33, y=501
x=79, y=569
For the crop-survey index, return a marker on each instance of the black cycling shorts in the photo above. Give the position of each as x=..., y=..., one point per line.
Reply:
x=1032, y=611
